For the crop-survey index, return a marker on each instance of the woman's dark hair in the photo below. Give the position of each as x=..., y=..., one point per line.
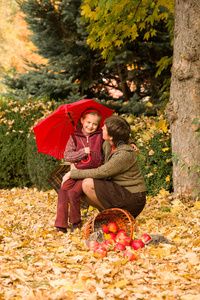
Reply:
x=119, y=129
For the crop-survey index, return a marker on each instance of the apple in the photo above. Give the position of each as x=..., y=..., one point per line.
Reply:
x=137, y=244
x=145, y=238
x=121, y=236
x=110, y=244
x=93, y=244
x=128, y=239
x=124, y=242
x=113, y=236
x=119, y=247
x=112, y=226
x=100, y=251
x=105, y=228
x=130, y=254
x=121, y=230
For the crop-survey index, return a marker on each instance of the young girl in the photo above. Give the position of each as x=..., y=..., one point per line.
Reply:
x=84, y=149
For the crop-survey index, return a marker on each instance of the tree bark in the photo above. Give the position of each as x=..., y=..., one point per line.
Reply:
x=184, y=104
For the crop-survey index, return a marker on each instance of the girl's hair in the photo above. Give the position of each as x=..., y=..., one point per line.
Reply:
x=88, y=112
x=119, y=129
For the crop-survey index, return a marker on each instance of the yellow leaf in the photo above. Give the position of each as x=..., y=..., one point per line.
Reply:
x=149, y=104
x=163, y=192
x=162, y=125
x=197, y=205
x=119, y=284
x=165, y=149
x=175, y=209
x=167, y=178
x=145, y=137
x=72, y=287
x=91, y=208
x=177, y=239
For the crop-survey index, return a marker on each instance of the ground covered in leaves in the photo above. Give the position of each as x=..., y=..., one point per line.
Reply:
x=38, y=263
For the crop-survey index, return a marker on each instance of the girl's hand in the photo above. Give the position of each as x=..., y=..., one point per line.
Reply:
x=87, y=150
x=66, y=177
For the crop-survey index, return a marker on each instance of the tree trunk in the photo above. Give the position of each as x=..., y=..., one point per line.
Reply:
x=184, y=104
x=124, y=87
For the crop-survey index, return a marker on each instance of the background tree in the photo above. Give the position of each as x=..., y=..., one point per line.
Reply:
x=14, y=41
x=73, y=67
x=183, y=110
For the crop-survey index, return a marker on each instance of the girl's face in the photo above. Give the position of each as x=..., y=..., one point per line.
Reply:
x=106, y=136
x=90, y=123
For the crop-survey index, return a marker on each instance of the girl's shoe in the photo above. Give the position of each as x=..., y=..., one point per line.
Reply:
x=76, y=225
x=64, y=230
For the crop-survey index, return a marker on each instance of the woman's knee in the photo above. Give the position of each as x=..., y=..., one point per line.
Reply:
x=87, y=184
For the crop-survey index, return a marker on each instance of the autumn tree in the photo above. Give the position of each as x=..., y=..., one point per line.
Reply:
x=60, y=36
x=15, y=43
x=183, y=109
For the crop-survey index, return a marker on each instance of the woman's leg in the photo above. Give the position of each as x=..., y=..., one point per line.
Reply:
x=90, y=196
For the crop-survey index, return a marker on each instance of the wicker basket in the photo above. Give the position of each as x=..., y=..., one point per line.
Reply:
x=123, y=219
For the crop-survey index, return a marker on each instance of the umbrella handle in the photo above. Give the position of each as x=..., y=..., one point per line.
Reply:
x=86, y=161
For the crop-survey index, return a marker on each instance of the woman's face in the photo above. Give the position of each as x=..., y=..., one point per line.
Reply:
x=106, y=136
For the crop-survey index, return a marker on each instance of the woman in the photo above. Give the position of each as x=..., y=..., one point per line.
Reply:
x=119, y=182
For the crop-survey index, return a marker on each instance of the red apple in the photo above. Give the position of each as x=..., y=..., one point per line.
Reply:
x=110, y=244
x=119, y=247
x=145, y=237
x=105, y=228
x=128, y=239
x=100, y=252
x=112, y=226
x=130, y=254
x=113, y=236
x=93, y=244
x=121, y=236
x=137, y=244
x=124, y=242
x=121, y=230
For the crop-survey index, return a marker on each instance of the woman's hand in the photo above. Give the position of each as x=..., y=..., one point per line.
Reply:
x=135, y=148
x=66, y=177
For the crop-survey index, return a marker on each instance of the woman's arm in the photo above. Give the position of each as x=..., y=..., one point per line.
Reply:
x=117, y=164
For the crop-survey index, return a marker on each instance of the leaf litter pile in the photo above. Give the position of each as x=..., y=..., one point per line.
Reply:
x=38, y=263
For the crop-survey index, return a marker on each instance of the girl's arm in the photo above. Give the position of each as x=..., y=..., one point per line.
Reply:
x=70, y=154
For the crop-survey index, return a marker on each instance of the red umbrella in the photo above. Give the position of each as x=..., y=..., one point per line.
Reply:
x=53, y=132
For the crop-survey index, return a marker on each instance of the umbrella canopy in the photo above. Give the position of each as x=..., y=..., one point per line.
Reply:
x=53, y=132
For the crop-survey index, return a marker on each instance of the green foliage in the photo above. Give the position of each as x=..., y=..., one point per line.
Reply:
x=153, y=140
x=73, y=67
x=39, y=165
x=16, y=119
